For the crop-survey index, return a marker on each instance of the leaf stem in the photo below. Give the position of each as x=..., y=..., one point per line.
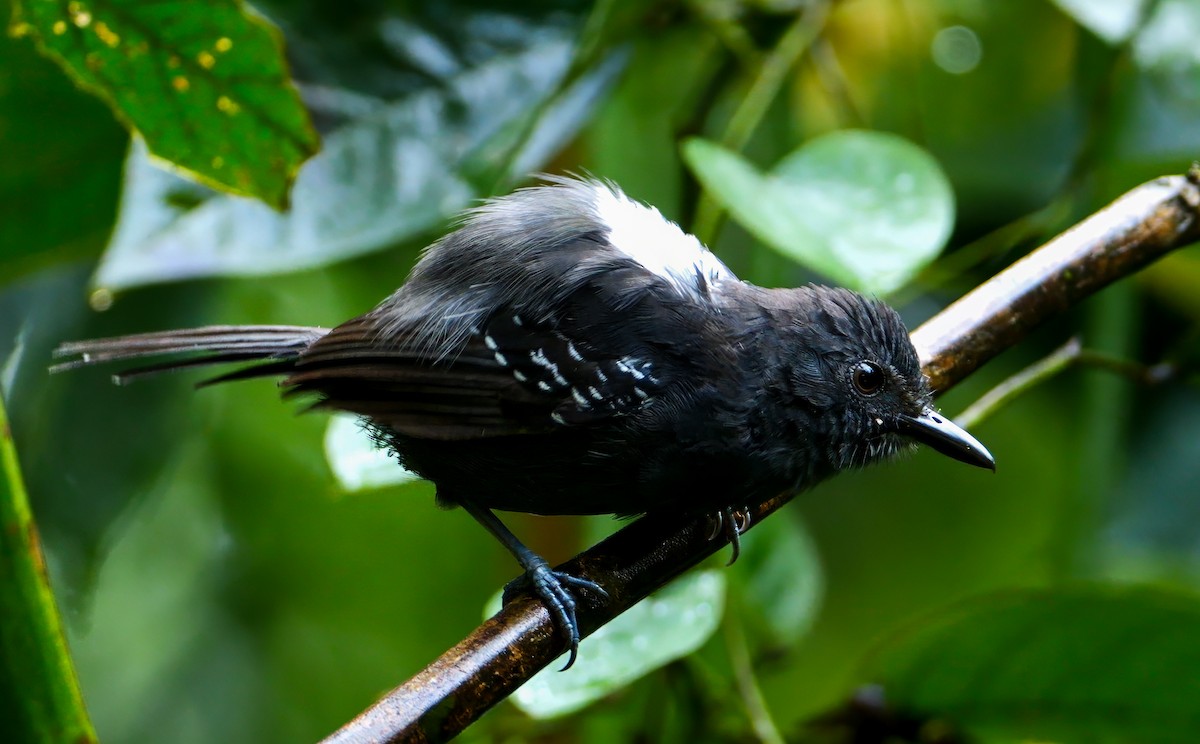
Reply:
x=1036, y=373
x=36, y=672
x=1068, y=355
x=762, y=93
x=747, y=684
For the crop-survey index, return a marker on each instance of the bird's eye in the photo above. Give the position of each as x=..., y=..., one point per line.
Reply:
x=868, y=378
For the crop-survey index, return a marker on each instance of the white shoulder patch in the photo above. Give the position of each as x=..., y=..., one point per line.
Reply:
x=643, y=234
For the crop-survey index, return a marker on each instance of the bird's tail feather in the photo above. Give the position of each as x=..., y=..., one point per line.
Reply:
x=276, y=347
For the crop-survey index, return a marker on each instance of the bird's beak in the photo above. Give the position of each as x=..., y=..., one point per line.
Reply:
x=945, y=436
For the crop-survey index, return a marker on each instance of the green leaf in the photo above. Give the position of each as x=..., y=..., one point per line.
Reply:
x=668, y=625
x=764, y=207
x=1087, y=664
x=1111, y=20
x=866, y=209
x=391, y=176
x=39, y=693
x=1168, y=40
x=204, y=83
x=781, y=573
x=53, y=166
x=357, y=462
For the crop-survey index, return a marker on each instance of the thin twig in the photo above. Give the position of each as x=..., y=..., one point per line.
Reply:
x=747, y=685
x=732, y=35
x=1070, y=354
x=832, y=78
x=1033, y=375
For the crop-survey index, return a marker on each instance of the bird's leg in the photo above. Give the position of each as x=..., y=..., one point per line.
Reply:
x=552, y=587
x=732, y=523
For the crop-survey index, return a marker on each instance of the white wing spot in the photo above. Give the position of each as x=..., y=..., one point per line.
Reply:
x=503, y=361
x=643, y=234
x=558, y=419
x=490, y=343
x=543, y=385
x=574, y=352
x=628, y=368
x=640, y=393
x=582, y=401
x=596, y=394
x=520, y=375
x=538, y=357
x=517, y=320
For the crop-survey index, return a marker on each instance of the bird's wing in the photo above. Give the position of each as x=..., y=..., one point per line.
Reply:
x=609, y=349
x=556, y=306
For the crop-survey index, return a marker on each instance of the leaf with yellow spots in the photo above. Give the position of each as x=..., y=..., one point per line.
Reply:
x=204, y=83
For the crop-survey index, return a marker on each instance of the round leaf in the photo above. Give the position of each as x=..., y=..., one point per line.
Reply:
x=357, y=462
x=765, y=208
x=668, y=625
x=867, y=209
x=881, y=204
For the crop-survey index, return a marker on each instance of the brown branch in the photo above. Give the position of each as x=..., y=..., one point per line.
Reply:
x=1135, y=230
x=509, y=648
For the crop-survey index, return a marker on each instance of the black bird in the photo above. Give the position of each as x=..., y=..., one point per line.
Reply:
x=568, y=350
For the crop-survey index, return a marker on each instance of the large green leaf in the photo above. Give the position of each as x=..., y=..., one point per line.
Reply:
x=390, y=176
x=204, y=83
x=668, y=625
x=58, y=186
x=1088, y=664
x=866, y=209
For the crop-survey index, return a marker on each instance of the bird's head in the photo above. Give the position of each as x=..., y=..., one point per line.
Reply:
x=854, y=369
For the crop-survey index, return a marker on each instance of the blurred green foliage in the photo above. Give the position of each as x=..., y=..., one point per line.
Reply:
x=219, y=585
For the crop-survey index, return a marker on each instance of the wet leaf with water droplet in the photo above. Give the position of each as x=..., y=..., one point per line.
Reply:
x=670, y=624
x=356, y=461
x=866, y=209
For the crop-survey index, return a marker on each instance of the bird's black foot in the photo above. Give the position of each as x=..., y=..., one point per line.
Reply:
x=731, y=523
x=554, y=589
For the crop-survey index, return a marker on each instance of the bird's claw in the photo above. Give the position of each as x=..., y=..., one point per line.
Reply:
x=554, y=589
x=731, y=523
